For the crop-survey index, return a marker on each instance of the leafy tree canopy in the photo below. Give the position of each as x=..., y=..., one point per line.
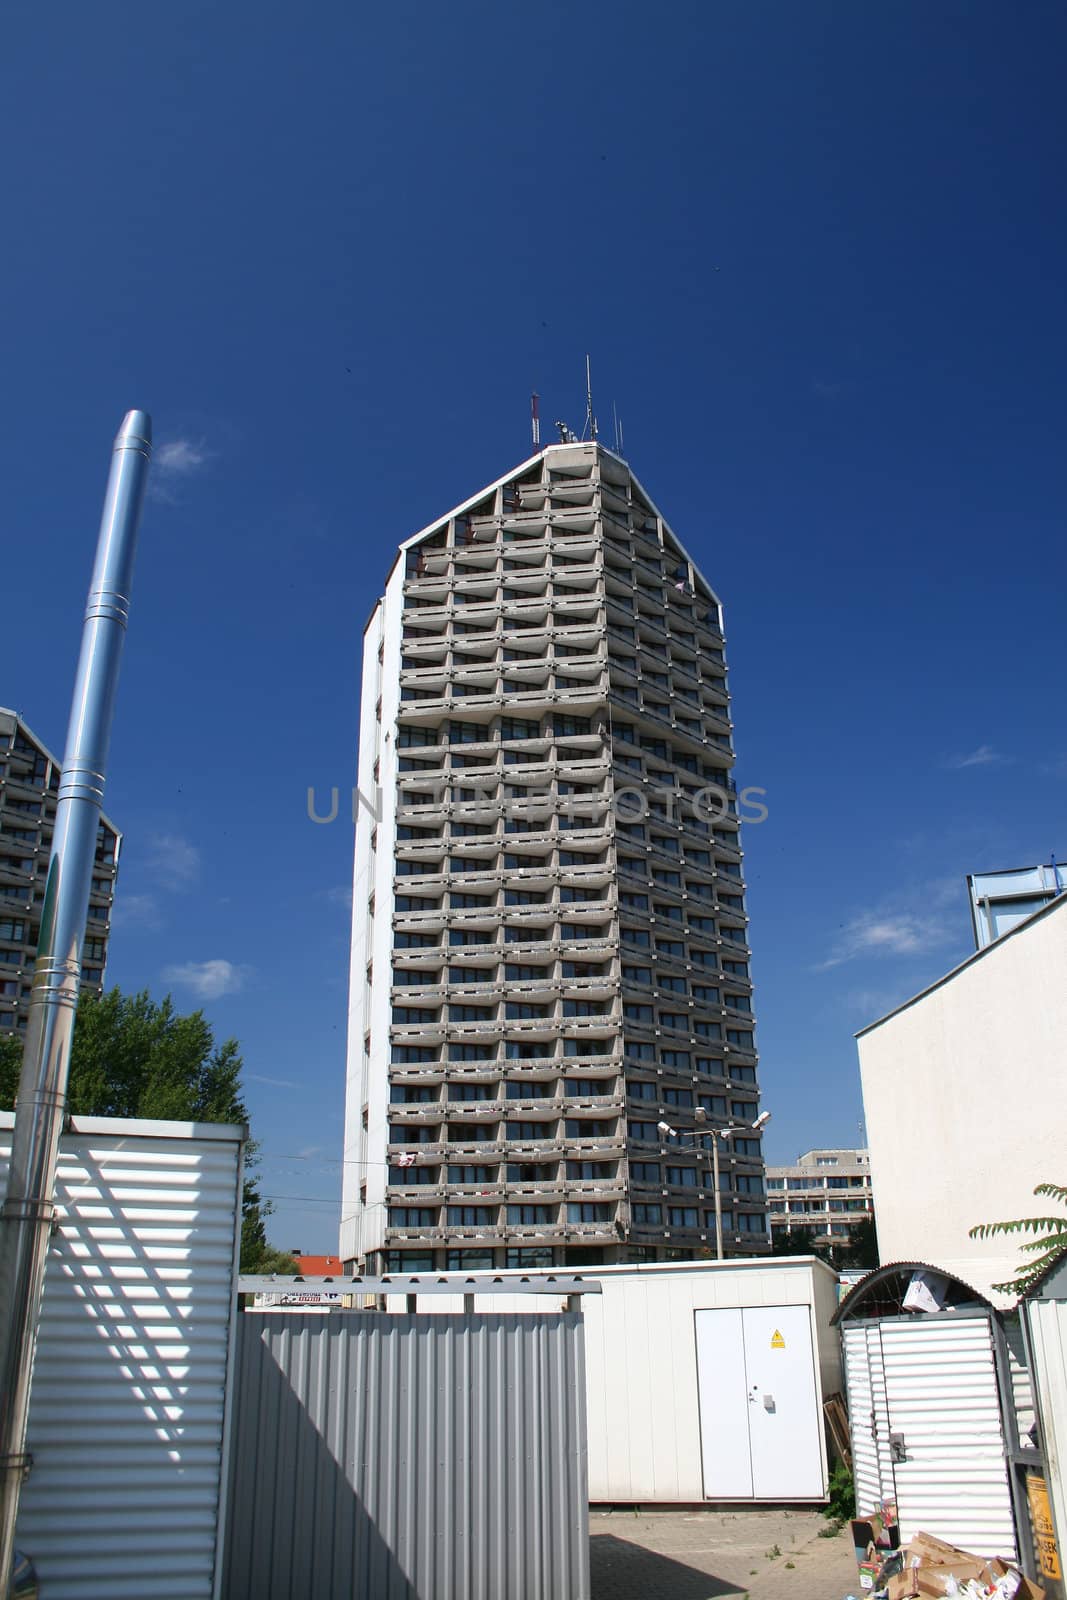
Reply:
x=860, y=1249
x=1050, y=1244
x=135, y=1057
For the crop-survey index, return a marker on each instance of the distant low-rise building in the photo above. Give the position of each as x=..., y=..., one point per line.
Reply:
x=828, y=1191
x=317, y=1266
x=29, y=787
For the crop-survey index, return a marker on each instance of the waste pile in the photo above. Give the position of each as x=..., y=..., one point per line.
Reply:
x=928, y=1567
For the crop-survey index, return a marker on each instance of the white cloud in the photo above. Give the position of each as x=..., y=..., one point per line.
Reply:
x=174, y=860
x=209, y=980
x=867, y=1005
x=178, y=457
x=173, y=463
x=984, y=756
x=135, y=911
x=339, y=895
x=881, y=933
x=275, y=1083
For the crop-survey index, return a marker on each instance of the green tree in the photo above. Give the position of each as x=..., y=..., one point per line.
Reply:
x=1043, y=1251
x=800, y=1241
x=10, y=1066
x=132, y=1056
x=862, y=1249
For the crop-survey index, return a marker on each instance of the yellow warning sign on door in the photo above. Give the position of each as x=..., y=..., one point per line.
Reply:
x=777, y=1342
x=1048, y=1555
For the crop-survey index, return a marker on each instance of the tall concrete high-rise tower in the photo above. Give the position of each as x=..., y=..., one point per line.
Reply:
x=549, y=946
x=29, y=789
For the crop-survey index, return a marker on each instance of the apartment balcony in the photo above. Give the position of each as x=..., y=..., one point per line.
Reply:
x=539, y=1071
x=475, y=1111
x=417, y=1033
x=416, y=1194
x=420, y=1112
x=605, y=1189
x=459, y=1192
x=533, y=1232
x=475, y=1152
x=426, y=1155
x=551, y=1147
x=607, y=1145
x=425, y=1073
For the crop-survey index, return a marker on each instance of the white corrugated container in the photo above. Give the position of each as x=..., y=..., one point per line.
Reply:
x=131, y=1378
x=649, y=1394
x=869, y=1421
x=941, y=1387
x=927, y=1423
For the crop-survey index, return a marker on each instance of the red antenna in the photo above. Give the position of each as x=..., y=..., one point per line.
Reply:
x=535, y=419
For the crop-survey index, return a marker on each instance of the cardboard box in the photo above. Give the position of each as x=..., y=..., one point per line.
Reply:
x=938, y=1561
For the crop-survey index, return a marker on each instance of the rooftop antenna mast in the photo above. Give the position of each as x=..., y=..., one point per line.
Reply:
x=535, y=419
x=618, y=429
x=590, y=421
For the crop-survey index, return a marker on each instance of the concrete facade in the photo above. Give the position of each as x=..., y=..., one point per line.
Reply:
x=828, y=1191
x=549, y=942
x=29, y=782
x=965, y=1098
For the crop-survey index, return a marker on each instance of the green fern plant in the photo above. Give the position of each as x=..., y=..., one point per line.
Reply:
x=1044, y=1250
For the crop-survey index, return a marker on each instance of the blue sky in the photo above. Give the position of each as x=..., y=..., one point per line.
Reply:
x=817, y=254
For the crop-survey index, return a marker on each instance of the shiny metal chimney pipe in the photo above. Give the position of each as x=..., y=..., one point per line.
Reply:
x=40, y=1110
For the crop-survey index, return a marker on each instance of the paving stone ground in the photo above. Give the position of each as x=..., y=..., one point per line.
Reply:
x=707, y=1554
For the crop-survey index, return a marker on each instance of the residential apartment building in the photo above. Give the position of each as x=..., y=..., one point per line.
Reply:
x=549, y=944
x=29, y=782
x=828, y=1191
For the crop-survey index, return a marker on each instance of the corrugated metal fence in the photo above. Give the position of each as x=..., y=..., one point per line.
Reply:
x=411, y=1457
x=130, y=1376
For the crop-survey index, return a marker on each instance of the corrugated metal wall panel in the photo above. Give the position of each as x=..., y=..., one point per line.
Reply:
x=942, y=1394
x=1047, y=1323
x=129, y=1383
x=1019, y=1374
x=397, y=1457
x=868, y=1422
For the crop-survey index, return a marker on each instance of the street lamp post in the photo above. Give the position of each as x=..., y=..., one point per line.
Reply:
x=716, y=1134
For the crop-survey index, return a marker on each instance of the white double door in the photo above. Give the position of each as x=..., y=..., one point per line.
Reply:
x=760, y=1427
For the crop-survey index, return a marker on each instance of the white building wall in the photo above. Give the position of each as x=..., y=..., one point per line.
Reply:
x=965, y=1100
x=131, y=1378
x=363, y=1223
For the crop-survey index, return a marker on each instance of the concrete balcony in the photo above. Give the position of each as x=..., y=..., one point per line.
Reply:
x=593, y=1106
x=474, y=1152
x=602, y=1144
x=531, y=1232
x=402, y=1116
x=607, y=1190
x=535, y=1193
x=416, y=1194
x=474, y=1111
